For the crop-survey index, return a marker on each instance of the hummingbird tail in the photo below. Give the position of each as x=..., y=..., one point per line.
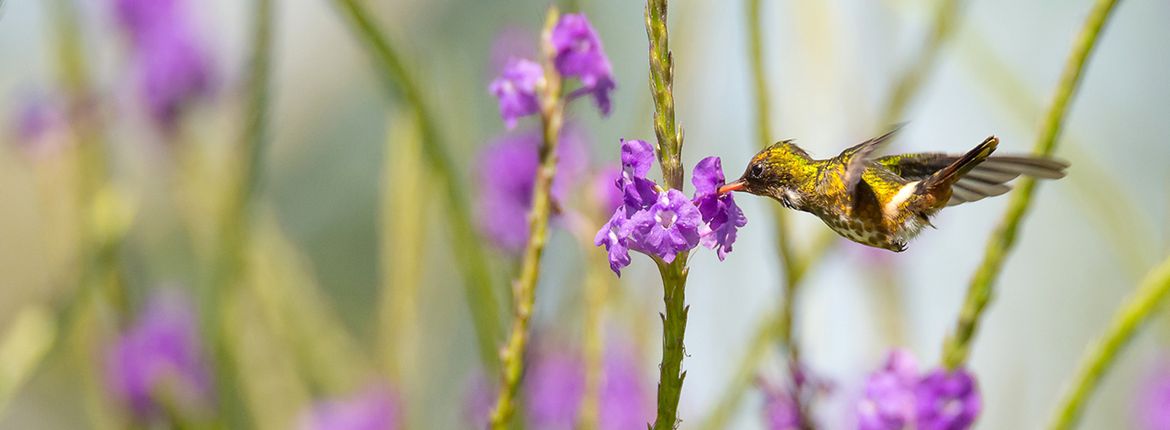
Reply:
x=948, y=175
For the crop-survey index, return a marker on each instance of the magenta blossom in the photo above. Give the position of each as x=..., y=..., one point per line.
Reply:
x=516, y=89
x=579, y=54
x=898, y=397
x=721, y=215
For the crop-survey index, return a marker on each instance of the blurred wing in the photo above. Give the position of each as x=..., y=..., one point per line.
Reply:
x=985, y=180
x=857, y=156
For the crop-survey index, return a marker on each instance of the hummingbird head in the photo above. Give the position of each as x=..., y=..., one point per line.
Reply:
x=777, y=171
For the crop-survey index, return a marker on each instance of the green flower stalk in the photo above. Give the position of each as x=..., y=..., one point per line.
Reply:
x=674, y=274
x=524, y=289
x=1137, y=310
x=476, y=277
x=957, y=346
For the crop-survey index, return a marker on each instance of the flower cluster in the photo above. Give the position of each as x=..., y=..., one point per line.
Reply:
x=156, y=365
x=577, y=53
x=375, y=408
x=897, y=397
x=507, y=175
x=172, y=67
x=663, y=223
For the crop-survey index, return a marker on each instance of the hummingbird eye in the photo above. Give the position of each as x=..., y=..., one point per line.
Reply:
x=756, y=171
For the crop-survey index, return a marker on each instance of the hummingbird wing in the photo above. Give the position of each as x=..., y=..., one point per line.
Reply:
x=857, y=157
x=986, y=179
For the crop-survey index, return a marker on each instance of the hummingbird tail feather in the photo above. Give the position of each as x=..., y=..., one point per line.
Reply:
x=948, y=175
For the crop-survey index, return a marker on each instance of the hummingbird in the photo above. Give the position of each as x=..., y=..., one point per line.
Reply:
x=884, y=202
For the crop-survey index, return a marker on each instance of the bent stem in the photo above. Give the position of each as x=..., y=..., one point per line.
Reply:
x=477, y=278
x=957, y=346
x=1100, y=356
x=524, y=294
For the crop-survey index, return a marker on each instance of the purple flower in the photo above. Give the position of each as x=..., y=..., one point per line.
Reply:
x=374, y=409
x=158, y=360
x=40, y=125
x=669, y=227
x=625, y=399
x=516, y=89
x=607, y=191
x=555, y=386
x=947, y=400
x=889, y=402
x=553, y=390
x=507, y=175
x=579, y=53
x=781, y=411
x=638, y=193
x=1153, y=404
x=615, y=236
x=170, y=65
x=720, y=214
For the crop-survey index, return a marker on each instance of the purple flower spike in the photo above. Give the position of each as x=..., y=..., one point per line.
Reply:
x=947, y=400
x=171, y=66
x=670, y=226
x=579, y=53
x=553, y=388
x=158, y=360
x=373, y=409
x=516, y=90
x=889, y=402
x=625, y=400
x=720, y=214
x=1153, y=403
x=507, y=175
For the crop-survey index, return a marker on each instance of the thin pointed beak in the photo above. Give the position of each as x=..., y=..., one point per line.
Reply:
x=734, y=186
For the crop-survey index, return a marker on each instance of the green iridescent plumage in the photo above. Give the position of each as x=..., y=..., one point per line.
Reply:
x=884, y=201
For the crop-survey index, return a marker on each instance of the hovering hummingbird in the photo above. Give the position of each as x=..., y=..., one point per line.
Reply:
x=884, y=201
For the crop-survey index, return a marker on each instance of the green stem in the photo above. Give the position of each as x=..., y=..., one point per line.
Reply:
x=661, y=90
x=551, y=119
x=674, y=325
x=1098, y=359
x=674, y=275
x=477, y=278
x=236, y=223
x=957, y=346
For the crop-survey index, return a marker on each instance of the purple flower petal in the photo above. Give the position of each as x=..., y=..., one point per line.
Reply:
x=516, y=90
x=890, y=400
x=720, y=213
x=579, y=54
x=947, y=400
x=374, y=409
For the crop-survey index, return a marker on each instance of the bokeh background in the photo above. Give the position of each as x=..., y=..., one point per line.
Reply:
x=326, y=199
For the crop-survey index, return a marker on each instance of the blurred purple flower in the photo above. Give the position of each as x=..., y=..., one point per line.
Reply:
x=889, y=402
x=720, y=214
x=1153, y=404
x=781, y=411
x=625, y=399
x=170, y=64
x=579, y=53
x=158, y=360
x=40, y=125
x=478, y=401
x=507, y=175
x=553, y=389
x=947, y=400
x=516, y=90
x=373, y=409
x=607, y=190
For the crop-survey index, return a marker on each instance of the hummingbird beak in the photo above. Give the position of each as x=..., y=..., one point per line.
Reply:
x=734, y=186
